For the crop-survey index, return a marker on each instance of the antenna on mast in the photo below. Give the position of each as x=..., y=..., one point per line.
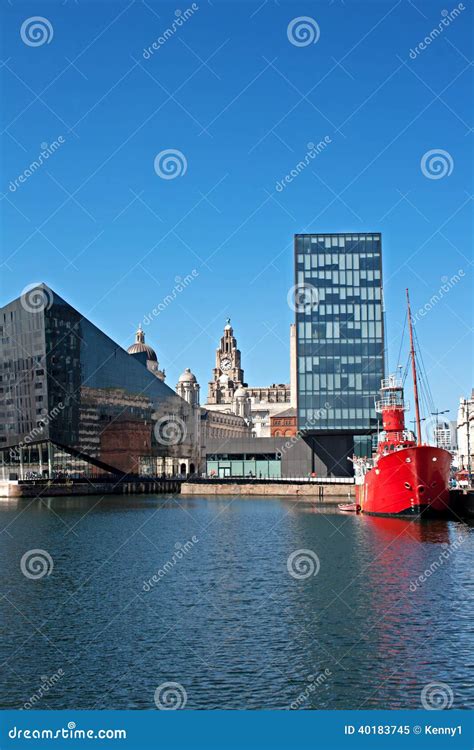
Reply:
x=413, y=369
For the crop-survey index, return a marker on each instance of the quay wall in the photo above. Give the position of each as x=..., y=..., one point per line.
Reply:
x=312, y=491
x=305, y=490
x=17, y=489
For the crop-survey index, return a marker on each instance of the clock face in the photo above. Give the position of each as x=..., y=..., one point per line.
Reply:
x=226, y=364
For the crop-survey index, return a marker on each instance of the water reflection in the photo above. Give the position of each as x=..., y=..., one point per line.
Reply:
x=226, y=619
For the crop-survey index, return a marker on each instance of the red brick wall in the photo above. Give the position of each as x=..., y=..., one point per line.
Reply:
x=123, y=441
x=285, y=426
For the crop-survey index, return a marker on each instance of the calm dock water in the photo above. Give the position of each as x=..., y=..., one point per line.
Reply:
x=245, y=603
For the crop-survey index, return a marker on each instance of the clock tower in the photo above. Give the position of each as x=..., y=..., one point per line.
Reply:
x=227, y=374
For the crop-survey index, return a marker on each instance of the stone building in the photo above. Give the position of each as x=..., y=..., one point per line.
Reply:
x=265, y=403
x=214, y=424
x=228, y=375
x=465, y=430
x=188, y=389
x=444, y=437
x=223, y=426
x=256, y=404
x=146, y=354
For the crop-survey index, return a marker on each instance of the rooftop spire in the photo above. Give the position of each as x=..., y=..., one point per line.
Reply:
x=140, y=335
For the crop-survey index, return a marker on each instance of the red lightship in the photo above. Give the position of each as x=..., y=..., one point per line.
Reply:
x=404, y=477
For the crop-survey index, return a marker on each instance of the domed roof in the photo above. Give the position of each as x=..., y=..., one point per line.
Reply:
x=227, y=326
x=240, y=393
x=140, y=346
x=187, y=376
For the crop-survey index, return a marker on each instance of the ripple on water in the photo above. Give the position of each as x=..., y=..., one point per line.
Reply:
x=227, y=620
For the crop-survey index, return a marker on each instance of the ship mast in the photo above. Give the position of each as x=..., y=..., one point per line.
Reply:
x=413, y=369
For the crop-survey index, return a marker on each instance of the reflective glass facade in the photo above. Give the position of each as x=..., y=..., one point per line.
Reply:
x=257, y=465
x=340, y=331
x=63, y=381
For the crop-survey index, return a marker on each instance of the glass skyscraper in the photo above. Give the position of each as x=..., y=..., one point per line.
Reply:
x=340, y=342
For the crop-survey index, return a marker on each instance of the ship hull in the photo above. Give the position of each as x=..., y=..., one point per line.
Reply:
x=410, y=482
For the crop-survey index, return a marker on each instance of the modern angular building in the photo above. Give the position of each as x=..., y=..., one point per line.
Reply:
x=74, y=403
x=340, y=344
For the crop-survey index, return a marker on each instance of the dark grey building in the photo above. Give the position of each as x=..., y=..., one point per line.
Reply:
x=340, y=343
x=261, y=458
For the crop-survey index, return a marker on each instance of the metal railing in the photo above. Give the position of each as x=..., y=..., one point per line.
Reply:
x=391, y=401
x=272, y=480
x=399, y=437
x=391, y=382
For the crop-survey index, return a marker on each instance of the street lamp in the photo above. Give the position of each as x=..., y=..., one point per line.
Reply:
x=437, y=414
x=413, y=422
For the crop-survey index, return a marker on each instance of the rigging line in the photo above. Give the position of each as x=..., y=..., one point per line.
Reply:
x=403, y=336
x=405, y=373
x=424, y=373
x=425, y=407
x=423, y=370
x=421, y=379
x=427, y=395
x=428, y=390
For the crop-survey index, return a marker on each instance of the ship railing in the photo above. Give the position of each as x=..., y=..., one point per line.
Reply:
x=396, y=437
x=392, y=401
x=391, y=382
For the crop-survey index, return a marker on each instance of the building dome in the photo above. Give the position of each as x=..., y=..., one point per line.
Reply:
x=240, y=393
x=139, y=346
x=227, y=326
x=187, y=377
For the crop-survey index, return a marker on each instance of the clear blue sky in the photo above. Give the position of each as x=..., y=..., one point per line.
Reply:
x=231, y=92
